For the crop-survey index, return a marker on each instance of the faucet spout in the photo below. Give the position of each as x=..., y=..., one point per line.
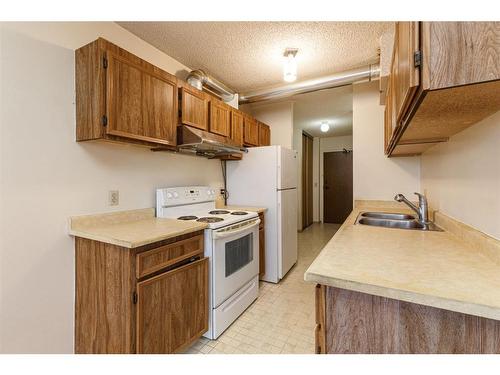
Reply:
x=402, y=198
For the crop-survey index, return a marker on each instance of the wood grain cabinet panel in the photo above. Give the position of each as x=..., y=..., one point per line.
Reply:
x=262, y=245
x=237, y=127
x=251, y=131
x=151, y=261
x=264, y=134
x=446, y=77
x=152, y=299
x=354, y=322
x=406, y=74
x=140, y=104
x=220, y=118
x=168, y=318
x=120, y=97
x=194, y=107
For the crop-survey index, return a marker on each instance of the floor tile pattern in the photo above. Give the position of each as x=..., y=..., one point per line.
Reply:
x=282, y=319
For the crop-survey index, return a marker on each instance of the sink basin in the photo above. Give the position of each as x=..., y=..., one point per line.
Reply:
x=401, y=224
x=390, y=220
x=386, y=215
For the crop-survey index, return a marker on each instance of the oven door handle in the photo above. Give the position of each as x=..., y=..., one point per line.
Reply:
x=227, y=233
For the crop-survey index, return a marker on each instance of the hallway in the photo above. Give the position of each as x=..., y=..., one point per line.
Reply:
x=282, y=319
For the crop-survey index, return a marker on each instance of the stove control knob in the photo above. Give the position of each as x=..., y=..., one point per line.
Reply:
x=169, y=195
x=209, y=192
x=176, y=195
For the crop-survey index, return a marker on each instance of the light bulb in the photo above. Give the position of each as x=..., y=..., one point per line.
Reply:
x=324, y=127
x=290, y=67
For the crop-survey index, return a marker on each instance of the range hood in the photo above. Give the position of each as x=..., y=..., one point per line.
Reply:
x=203, y=143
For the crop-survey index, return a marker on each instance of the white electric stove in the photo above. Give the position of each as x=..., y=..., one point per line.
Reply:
x=231, y=244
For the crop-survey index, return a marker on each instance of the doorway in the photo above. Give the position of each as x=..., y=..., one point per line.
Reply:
x=307, y=180
x=337, y=186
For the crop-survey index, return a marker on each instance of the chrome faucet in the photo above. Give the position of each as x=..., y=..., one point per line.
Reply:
x=422, y=210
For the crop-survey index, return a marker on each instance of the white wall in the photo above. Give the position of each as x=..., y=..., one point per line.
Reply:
x=376, y=176
x=462, y=176
x=279, y=116
x=329, y=144
x=46, y=176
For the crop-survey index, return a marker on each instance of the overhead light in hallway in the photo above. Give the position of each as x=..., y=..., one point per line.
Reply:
x=324, y=127
x=290, y=67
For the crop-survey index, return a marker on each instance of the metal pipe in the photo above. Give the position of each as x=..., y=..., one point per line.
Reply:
x=200, y=79
x=365, y=73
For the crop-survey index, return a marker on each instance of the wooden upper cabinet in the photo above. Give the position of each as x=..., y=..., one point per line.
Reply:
x=250, y=131
x=194, y=107
x=172, y=309
x=446, y=77
x=220, y=118
x=460, y=53
x=405, y=74
x=237, y=127
x=264, y=135
x=122, y=97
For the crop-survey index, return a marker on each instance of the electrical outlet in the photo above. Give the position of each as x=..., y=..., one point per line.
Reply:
x=114, y=197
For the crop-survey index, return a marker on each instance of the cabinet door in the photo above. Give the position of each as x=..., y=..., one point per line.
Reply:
x=140, y=103
x=194, y=108
x=406, y=75
x=172, y=308
x=237, y=127
x=251, y=131
x=264, y=135
x=220, y=118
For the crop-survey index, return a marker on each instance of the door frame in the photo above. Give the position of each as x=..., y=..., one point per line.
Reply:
x=303, y=177
x=322, y=178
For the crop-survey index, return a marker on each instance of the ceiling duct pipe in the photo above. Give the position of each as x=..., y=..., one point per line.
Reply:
x=201, y=80
x=363, y=74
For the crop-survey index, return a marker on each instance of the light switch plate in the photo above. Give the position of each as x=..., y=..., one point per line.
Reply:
x=114, y=197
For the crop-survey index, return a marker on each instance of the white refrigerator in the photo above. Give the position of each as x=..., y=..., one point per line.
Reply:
x=267, y=177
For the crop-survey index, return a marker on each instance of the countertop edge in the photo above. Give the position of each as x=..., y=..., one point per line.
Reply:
x=406, y=296
x=132, y=245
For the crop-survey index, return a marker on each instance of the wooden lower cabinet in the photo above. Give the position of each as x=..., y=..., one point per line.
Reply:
x=117, y=310
x=168, y=318
x=262, y=245
x=354, y=322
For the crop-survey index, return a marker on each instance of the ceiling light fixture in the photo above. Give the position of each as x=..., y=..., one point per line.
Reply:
x=324, y=127
x=290, y=66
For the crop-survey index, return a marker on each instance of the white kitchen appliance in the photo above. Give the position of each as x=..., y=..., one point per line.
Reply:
x=267, y=177
x=231, y=244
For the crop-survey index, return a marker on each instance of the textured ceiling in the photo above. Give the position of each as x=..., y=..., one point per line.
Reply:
x=249, y=55
x=333, y=106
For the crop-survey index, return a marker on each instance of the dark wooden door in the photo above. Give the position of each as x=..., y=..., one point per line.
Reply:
x=337, y=186
x=307, y=181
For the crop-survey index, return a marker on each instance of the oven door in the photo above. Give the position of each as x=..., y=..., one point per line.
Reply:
x=235, y=258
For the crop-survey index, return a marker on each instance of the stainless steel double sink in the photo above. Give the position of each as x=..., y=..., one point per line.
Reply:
x=394, y=220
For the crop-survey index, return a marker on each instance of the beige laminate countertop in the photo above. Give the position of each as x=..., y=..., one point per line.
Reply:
x=130, y=228
x=259, y=210
x=437, y=269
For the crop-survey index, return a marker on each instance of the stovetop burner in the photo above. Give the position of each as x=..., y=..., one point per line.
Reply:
x=190, y=217
x=239, y=213
x=218, y=212
x=212, y=219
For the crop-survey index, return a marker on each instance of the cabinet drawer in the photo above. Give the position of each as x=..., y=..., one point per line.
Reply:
x=154, y=260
